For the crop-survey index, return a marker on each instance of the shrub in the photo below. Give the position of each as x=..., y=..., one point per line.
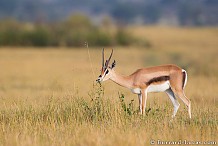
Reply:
x=73, y=32
x=123, y=38
x=37, y=37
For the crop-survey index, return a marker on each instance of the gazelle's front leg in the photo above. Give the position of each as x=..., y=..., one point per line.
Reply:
x=140, y=103
x=144, y=100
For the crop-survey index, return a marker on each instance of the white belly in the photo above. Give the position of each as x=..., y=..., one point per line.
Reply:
x=159, y=88
x=136, y=90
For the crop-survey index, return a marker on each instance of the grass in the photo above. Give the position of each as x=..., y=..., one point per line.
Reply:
x=48, y=97
x=74, y=121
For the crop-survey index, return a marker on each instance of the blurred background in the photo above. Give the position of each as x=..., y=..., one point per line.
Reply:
x=180, y=12
x=100, y=22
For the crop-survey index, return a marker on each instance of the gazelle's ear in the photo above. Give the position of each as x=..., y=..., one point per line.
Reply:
x=113, y=64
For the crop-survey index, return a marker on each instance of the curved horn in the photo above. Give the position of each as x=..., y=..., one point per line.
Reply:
x=102, y=57
x=107, y=62
x=111, y=55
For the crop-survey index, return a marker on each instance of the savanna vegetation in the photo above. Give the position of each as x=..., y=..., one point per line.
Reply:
x=49, y=96
x=74, y=31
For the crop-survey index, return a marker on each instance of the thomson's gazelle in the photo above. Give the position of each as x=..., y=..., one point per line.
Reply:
x=166, y=78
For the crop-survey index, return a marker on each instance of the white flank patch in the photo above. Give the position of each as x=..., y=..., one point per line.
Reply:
x=136, y=90
x=159, y=88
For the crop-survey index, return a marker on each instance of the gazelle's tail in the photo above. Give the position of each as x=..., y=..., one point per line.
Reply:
x=184, y=78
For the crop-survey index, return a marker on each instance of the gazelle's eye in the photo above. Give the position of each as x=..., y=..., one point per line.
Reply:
x=107, y=71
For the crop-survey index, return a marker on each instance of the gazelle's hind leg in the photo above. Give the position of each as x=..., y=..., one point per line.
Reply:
x=178, y=82
x=181, y=95
x=175, y=102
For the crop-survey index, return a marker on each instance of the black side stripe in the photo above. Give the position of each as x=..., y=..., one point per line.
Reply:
x=158, y=79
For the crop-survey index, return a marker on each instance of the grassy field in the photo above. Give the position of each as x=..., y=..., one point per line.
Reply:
x=49, y=96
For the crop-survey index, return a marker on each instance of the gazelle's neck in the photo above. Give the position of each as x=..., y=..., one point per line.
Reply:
x=124, y=81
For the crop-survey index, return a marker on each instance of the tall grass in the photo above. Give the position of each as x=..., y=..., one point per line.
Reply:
x=100, y=121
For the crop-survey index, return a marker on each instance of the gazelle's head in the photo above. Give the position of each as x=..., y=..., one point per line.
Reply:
x=106, y=70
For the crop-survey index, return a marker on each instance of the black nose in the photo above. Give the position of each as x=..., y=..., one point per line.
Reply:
x=97, y=80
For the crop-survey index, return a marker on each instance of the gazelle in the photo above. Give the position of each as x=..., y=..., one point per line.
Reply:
x=166, y=78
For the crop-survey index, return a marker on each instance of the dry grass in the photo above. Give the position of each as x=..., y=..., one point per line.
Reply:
x=48, y=98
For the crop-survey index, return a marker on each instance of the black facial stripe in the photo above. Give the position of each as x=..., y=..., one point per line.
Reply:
x=106, y=71
x=158, y=79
